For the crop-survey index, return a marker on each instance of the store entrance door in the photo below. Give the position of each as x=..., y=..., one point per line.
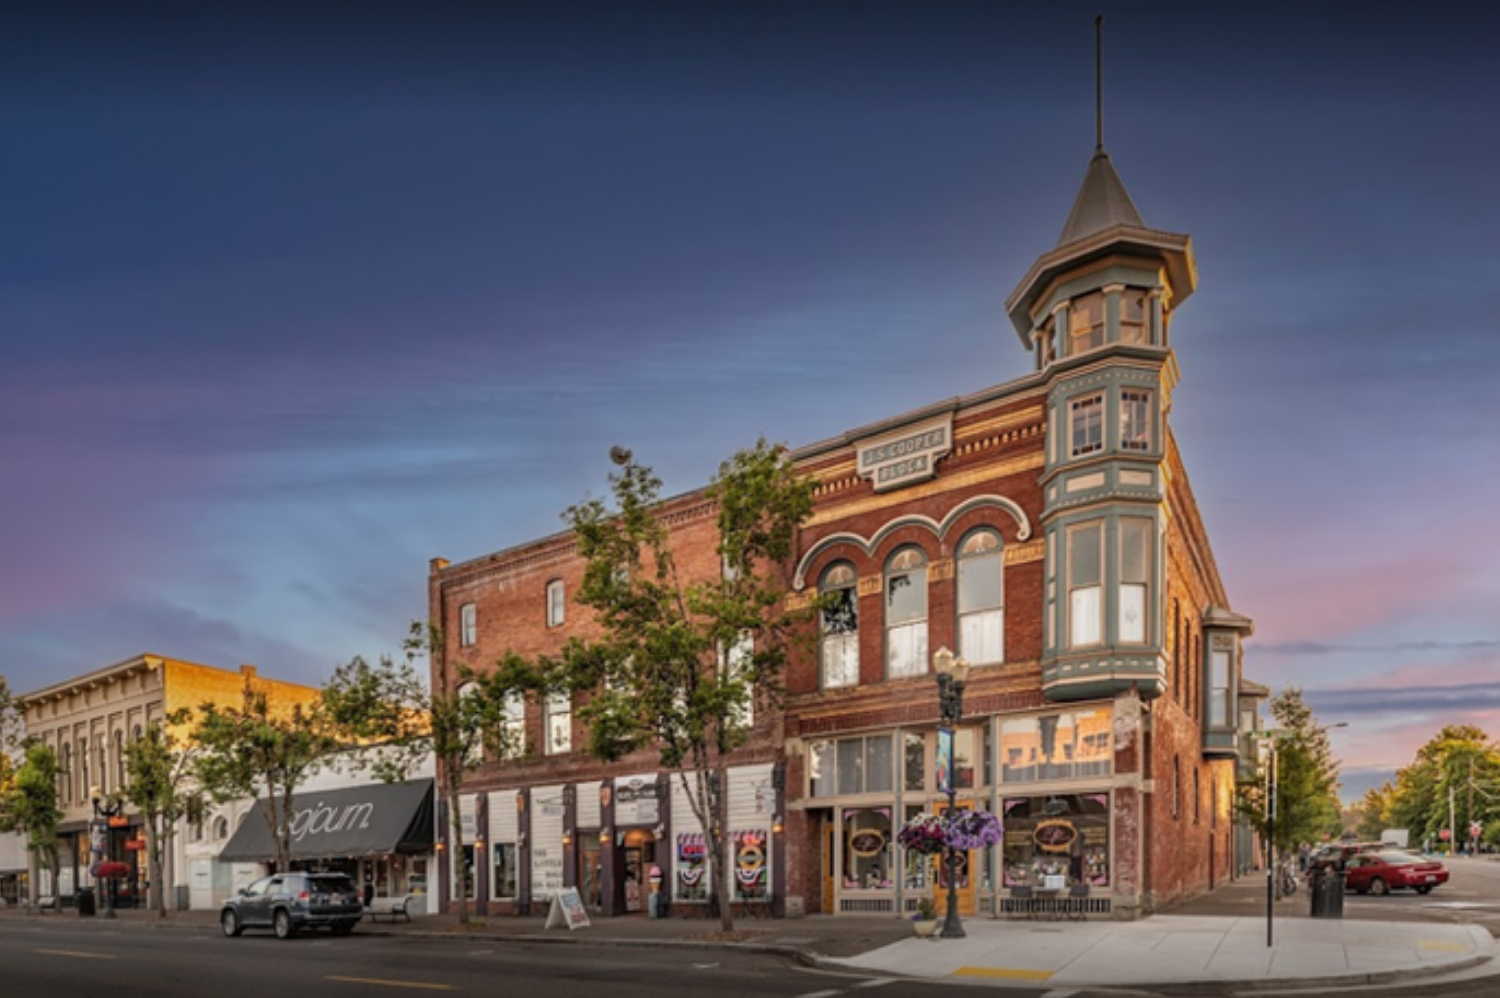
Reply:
x=828, y=853
x=590, y=873
x=965, y=864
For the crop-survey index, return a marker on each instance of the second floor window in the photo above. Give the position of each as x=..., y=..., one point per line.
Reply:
x=981, y=598
x=555, y=603
x=468, y=625
x=559, y=723
x=1085, y=591
x=1086, y=425
x=512, y=726
x=906, y=614
x=840, y=626
x=1135, y=576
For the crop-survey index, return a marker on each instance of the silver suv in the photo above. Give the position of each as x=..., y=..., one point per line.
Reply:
x=288, y=902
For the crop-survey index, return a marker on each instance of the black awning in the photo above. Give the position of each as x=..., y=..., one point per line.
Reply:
x=373, y=820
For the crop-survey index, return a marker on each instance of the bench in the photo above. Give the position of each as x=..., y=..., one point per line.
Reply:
x=48, y=903
x=388, y=907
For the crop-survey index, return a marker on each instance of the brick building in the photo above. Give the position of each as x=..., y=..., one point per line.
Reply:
x=1043, y=529
x=88, y=721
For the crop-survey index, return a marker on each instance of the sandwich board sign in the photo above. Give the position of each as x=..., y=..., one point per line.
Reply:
x=567, y=909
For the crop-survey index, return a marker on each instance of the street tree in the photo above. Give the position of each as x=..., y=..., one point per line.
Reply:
x=1454, y=780
x=263, y=746
x=401, y=716
x=161, y=781
x=682, y=664
x=1375, y=812
x=1306, y=783
x=28, y=805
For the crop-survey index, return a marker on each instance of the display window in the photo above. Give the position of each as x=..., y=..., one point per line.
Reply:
x=868, y=849
x=1056, y=835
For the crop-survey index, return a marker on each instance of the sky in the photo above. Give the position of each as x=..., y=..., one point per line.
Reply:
x=294, y=300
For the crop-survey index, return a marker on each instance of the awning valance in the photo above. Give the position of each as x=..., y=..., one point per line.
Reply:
x=377, y=819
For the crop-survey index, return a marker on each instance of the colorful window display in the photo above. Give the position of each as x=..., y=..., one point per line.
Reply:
x=751, y=880
x=868, y=849
x=692, y=867
x=1063, y=835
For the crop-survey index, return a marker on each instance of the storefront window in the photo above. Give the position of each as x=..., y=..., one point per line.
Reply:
x=918, y=868
x=503, y=882
x=692, y=866
x=916, y=761
x=1062, y=746
x=750, y=872
x=852, y=766
x=867, y=848
x=1064, y=835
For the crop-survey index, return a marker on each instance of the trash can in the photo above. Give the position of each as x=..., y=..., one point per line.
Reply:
x=1327, y=893
x=85, y=902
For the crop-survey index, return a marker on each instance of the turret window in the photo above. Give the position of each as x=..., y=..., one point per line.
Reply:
x=1135, y=419
x=1086, y=324
x=1135, y=574
x=1085, y=589
x=1086, y=425
x=1133, y=327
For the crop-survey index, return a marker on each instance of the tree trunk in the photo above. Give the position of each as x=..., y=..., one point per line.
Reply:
x=456, y=857
x=155, y=846
x=723, y=876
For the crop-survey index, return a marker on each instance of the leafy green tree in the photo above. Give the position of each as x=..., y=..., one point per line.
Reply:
x=1455, y=776
x=28, y=804
x=402, y=717
x=263, y=746
x=1375, y=809
x=682, y=664
x=161, y=781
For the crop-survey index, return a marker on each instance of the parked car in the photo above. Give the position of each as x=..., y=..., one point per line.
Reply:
x=1337, y=854
x=289, y=902
x=1382, y=872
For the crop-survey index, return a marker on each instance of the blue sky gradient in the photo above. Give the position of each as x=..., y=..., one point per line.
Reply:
x=293, y=301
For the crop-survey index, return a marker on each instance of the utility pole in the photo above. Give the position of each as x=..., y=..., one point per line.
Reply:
x=1452, y=828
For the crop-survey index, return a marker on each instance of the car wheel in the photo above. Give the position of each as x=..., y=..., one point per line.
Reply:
x=1378, y=886
x=230, y=923
x=283, y=924
x=342, y=928
x=1424, y=889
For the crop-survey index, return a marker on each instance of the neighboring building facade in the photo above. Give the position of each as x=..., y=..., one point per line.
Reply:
x=88, y=721
x=1044, y=530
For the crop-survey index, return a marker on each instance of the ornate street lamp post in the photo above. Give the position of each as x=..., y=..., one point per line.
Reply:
x=952, y=674
x=106, y=808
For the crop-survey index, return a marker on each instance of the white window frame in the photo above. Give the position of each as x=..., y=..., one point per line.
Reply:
x=556, y=603
x=734, y=661
x=468, y=625
x=1135, y=419
x=910, y=634
x=1135, y=592
x=986, y=616
x=558, y=736
x=1086, y=418
x=1085, y=602
x=512, y=726
x=839, y=665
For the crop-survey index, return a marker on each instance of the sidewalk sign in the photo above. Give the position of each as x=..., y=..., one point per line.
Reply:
x=567, y=909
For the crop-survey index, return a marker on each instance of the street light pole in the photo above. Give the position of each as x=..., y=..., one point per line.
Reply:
x=104, y=810
x=952, y=675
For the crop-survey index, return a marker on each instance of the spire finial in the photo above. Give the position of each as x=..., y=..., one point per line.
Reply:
x=1099, y=83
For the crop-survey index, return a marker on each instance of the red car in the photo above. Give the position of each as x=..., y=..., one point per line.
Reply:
x=1382, y=872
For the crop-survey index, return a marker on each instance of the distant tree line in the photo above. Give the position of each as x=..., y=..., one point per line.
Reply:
x=1453, y=784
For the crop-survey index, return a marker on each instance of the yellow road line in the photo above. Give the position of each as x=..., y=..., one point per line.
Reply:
x=78, y=953
x=393, y=984
x=1443, y=946
x=1004, y=972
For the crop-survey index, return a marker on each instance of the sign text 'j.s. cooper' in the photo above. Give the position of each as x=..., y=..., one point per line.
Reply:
x=906, y=456
x=324, y=820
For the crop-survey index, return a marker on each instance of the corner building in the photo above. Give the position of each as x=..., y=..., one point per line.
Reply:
x=1045, y=531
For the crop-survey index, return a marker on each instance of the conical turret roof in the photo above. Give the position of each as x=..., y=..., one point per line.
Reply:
x=1102, y=202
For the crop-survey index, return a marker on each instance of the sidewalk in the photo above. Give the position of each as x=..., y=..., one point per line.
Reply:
x=1167, y=949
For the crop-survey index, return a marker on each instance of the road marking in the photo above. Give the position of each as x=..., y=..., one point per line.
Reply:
x=1006, y=973
x=392, y=984
x=1442, y=946
x=876, y=982
x=820, y=994
x=78, y=953
x=704, y=966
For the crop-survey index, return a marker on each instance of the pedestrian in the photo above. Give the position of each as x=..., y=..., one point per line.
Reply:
x=1304, y=853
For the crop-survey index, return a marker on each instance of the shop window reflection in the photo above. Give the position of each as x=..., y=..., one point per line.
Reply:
x=1060, y=746
x=1064, y=835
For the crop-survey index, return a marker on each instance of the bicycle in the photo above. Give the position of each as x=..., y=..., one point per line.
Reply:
x=1288, y=877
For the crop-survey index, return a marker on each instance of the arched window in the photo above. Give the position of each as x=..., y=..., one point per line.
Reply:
x=906, y=614
x=221, y=828
x=981, y=598
x=840, y=588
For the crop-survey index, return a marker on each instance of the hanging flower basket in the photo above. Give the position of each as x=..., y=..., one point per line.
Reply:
x=929, y=834
x=111, y=870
